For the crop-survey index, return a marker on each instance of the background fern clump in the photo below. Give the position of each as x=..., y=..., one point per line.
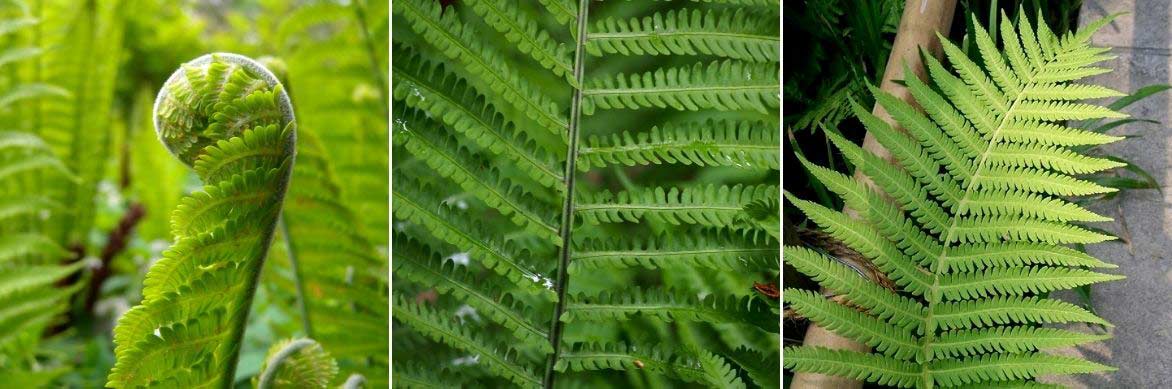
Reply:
x=971, y=221
x=584, y=186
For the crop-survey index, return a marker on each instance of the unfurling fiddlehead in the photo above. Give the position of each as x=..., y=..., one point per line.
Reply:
x=229, y=118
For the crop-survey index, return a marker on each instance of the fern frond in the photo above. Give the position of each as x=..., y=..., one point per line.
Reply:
x=892, y=341
x=711, y=205
x=1013, y=340
x=729, y=33
x=1034, y=132
x=430, y=87
x=445, y=155
x=870, y=243
x=743, y=144
x=762, y=369
x=525, y=34
x=1005, y=367
x=766, y=215
x=458, y=42
x=1035, y=181
x=720, y=250
x=669, y=306
x=562, y=10
x=1031, y=205
x=969, y=258
x=886, y=217
x=348, y=273
x=414, y=375
x=700, y=366
x=297, y=363
x=970, y=218
x=994, y=229
x=879, y=302
x=430, y=323
x=418, y=263
x=16, y=247
x=196, y=298
x=897, y=184
x=722, y=85
x=852, y=364
x=1017, y=281
x=1011, y=310
x=415, y=204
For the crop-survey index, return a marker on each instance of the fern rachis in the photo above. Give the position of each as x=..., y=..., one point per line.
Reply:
x=484, y=137
x=970, y=220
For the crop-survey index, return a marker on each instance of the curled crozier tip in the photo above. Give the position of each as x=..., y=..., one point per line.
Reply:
x=216, y=97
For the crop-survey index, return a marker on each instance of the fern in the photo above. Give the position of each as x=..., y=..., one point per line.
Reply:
x=297, y=363
x=970, y=220
x=507, y=227
x=230, y=119
x=334, y=222
x=29, y=258
x=35, y=284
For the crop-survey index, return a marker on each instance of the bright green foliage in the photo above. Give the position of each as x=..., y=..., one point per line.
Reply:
x=532, y=238
x=698, y=366
x=36, y=284
x=297, y=363
x=30, y=298
x=741, y=144
x=230, y=119
x=334, y=223
x=724, y=85
x=82, y=54
x=732, y=33
x=969, y=221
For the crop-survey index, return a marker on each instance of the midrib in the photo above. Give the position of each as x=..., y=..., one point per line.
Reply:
x=620, y=35
x=632, y=91
x=935, y=296
x=566, y=228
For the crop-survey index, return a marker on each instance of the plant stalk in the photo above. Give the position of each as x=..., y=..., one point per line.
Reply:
x=298, y=279
x=555, y=330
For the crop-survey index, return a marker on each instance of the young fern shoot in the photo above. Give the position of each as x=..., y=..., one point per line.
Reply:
x=970, y=222
x=230, y=119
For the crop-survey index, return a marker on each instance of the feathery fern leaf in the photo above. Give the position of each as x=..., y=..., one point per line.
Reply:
x=700, y=367
x=434, y=325
x=488, y=156
x=970, y=218
x=731, y=33
x=710, y=206
x=723, y=85
x=669, y=306
x=708, y=143
x=720, y=250
x=35, y=285
x=430, y=87
x=300, y=363
x=196, y=298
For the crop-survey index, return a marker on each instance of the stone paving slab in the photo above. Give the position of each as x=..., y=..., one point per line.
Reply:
x=1141, y=305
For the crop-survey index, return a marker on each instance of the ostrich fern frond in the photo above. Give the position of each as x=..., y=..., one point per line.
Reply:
x=36, y=282
x=230, y=119
x=970, y=221
x=504, y=234
x=334, y=221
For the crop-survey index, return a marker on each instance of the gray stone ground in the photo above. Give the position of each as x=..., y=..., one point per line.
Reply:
x=1141, y=305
